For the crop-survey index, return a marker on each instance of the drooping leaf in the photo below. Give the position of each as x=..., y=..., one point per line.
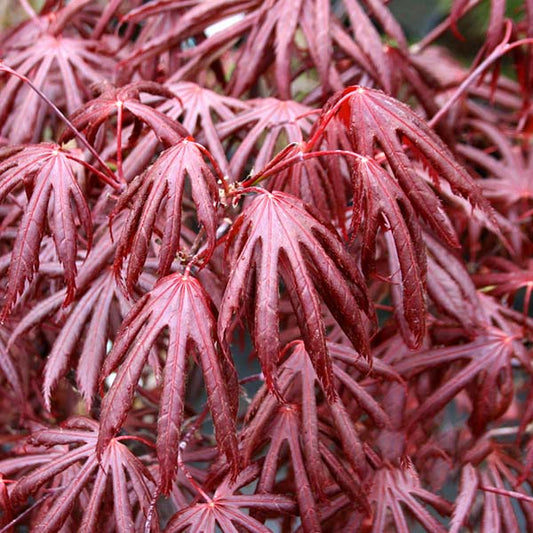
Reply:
x=200, y=110
x=380, y=202
x=55, y=201
x=377, y=122
x=180, y=304
x=84, y=333
x=278, y=238
x=89, y=321
x=465, y=498
x=296, y=381
x=451, y=288
x=157, y=197
x=113, y=101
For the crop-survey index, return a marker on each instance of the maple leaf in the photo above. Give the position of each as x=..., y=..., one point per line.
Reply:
x=323, y=182
x=124, y=103
x=307, y=416
x=90, y=317
x=113, y=101
x=507, y=164
x=380, y=201
x=397, y=488
x=58, y=62
x=502, y=277
x=72, y=461
x=498, y=467
x=223, y=509
x=278, y=237
x=276, y=32
x=202, y=111
x=7, y=367
x=51, y=175
x=269, y=121
x=177, y=302
x=364, y=113
x=162, y=186
x=488, y=365
x=451, y=288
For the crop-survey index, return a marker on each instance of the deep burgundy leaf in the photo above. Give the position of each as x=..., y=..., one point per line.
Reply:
x=177, y=303
x=277, y=238
x=268, y=121
x=78, y=439
x=161, y=189
x=397, y=489
x=223, y=510
x=405, y=138
x=52, y=176
x=489, y=365
x=380, y=202
x=113, y=100
x=465, y=498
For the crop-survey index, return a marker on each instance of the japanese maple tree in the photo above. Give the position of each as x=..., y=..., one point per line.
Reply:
x=265, y=265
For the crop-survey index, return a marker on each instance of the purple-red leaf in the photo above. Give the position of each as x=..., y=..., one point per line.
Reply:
x=130, y=481
x=180, y=304
x=278, y=239
x=157, y=197
x=55, y=196
x=377, y=122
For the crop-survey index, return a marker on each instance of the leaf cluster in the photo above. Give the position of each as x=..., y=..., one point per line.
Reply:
x=264, y=266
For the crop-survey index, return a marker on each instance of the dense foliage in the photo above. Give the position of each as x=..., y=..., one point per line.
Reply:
x=273, y=275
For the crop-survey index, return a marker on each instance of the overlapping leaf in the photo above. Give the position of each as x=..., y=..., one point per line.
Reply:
x=296, y=380
x=157, y=196
x=498, y=468
x=7, y=366
x=269, y=123
x=113, y=101
x=397, y=488
x=177, y=303
x=118, y=479
x=277, y=238
x=488, y=365
x=200, y=110
x=507, y=165
x=451, y=288
x=60, y=65
x=55, y=200
x=277, y=32
x=377, y=122
x=224, y=509
x=380, y=202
